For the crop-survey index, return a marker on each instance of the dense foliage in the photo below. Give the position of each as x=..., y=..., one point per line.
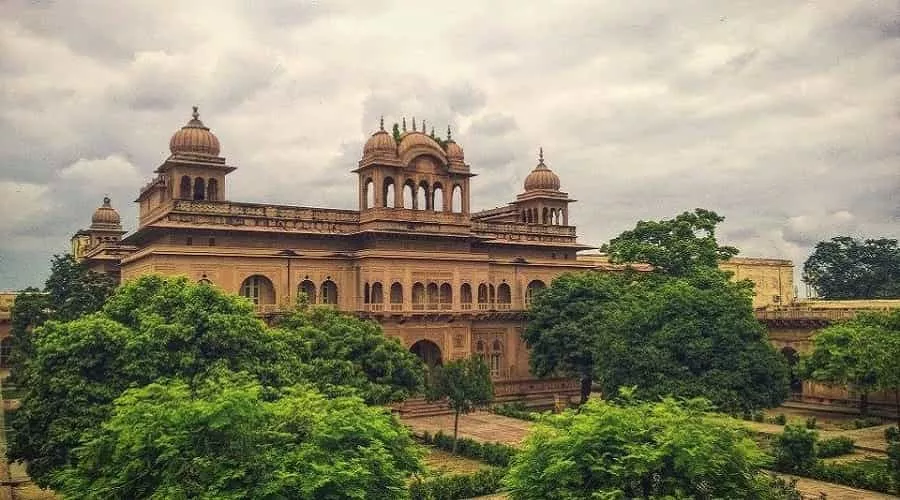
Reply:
x=457, y=486
x=846, y=268
x=71, y=291
x=224, y=440
x=645, y=450
x=497, y=454
x=675, y=247
x=834, y=447
x=158, y=328
x=862, y=354
x=795, y=449
x=465, y=384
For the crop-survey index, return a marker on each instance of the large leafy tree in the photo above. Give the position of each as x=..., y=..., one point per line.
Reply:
x=334, y=350
x=224, y=439
x=566, y=325
x=862, y=354
x=664, y=449
x=465, y=384
x=71, y=290
x=847, y=268
x=153, y=327
x=675, y=247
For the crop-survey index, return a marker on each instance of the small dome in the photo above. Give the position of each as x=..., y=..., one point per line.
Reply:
x=106, y=215
x=195, y=138
x=380, y=142
x=454, y=151
x=541, y=177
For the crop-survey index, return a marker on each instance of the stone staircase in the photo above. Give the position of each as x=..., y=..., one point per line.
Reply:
x=418, y=407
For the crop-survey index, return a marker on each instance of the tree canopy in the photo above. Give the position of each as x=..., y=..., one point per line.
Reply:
x=224, y=440
x=665, y=449
x=847, y=268
x=465, y=383
x=674, y=247
x=157, y=328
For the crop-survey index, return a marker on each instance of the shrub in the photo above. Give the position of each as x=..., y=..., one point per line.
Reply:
x=795, y=449
x=834, y=447
x=759, y=416
x=455, y=486
x=870, y=473
x=892, y=434
x=780, y=419
x=515, y=410
x=893, y=462
x=862, y=423
x=811, y=423
x=497, y=454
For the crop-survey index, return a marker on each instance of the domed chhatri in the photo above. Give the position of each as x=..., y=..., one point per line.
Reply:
x=541, y=177
x=195, y=138
x=106, y=215
x=380, y=142
x=454, y=151
x=416, y=139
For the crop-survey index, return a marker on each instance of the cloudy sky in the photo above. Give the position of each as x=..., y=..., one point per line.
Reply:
x=784, y=116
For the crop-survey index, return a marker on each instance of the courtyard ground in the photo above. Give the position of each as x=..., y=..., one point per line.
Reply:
x=485, y=426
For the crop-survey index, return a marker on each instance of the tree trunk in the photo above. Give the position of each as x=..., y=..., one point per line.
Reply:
x=455, y=430
x=586, y=383
x=864, y=403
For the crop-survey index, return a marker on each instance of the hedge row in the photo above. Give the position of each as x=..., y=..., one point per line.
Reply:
x=515, y=410
x=497, y=454
x=870, y=474
x=457, y=486
x=834, y=447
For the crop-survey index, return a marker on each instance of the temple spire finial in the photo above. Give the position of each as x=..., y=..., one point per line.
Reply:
x=449, y=137
x=381, y=123
x=404, y=124
x=196, y=114
x=541, y=155
x=414, y=124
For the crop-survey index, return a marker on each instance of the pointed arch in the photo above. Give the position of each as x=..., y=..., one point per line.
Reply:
x=259, y=289
x=409, y=194
x=496, y=359
x=431, y=295
x=418, y=296
x=307, y=289
x=212, y=190
x=366, y=293
x=376, y=295
x=328, y=292
x=396, y=297
x=465, y=296
x=479, y=350
x=184, y=190
x=370, y=193
x=504, y=296
x=437, y=197
x=422, y=196
x=387, y=193
x=483, y=297
x=199, y=189
x=445, y=296
x=456, y=204
x=532, y=289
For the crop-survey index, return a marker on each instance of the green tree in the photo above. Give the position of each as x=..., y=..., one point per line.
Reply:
x=150, y=328
x=466, y=385
x=675, y=247
x=566, y=325
x=334, y=350
x=71, y=290
x=665, y=449
x=224, y=439
x=842, y=356
x=847, y=268
x=795, y=449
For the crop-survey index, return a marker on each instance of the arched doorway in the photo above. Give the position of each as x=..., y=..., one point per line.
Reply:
x=428, y=351
x=793, y=358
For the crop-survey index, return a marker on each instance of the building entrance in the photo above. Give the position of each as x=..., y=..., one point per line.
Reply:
x=428, y=351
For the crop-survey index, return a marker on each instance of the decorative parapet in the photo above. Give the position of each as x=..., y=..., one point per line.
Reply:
x=250, y=215
x=516, y=231
x=410, y=215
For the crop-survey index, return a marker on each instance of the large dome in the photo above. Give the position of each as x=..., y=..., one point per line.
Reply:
x=542, y=177
x=106, y=215
x=195, y=138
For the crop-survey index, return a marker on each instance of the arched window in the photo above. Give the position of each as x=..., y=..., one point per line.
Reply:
x=418, y=296
x=422, y=202
x=377, y=296
x=366, y=293
x=387, y=193
x=446, y=296
x=329, y=292
x=307, y=289
x=533, y=288
x=483, y=300
x=496, y=358
x=437, y=198
x=396, y=297
x=456, y=204
x=431, y=295
x=465, y=296
x=504, y=296
x=479, y=350
x=370, y=194
x=199, y=188
x=259, y=289
x=409, y=195
x=212, y=190
x=5, y=351
x=184, y=190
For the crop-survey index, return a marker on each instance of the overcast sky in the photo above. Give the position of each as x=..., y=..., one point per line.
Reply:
x=780, y=115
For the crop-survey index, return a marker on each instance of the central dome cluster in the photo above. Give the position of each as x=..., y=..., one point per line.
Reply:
x=195, y=138
x=105, y=215
x=412, y=143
